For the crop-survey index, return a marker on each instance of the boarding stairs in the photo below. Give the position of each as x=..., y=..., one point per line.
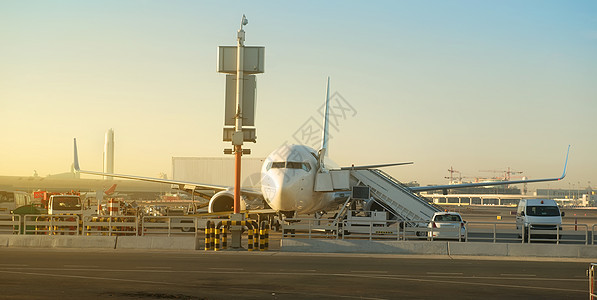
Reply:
x=394, y=197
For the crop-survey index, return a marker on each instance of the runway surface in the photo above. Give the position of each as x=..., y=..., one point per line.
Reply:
x=134, y=274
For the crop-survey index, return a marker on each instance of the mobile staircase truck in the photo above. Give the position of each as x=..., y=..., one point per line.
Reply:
x=387, y=202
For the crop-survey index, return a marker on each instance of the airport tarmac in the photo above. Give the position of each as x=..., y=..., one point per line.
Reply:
x=136, y=274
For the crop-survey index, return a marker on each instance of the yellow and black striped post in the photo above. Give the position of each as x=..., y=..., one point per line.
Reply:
x=224, y=238
x=208, y=236
x=212, y=236
x=250, y=242
x=266, y=239
x=218, y=234
x=80, y=229
x=217, y=239
x=255, y=235
x=262, y=237
x=88, y=228
x=264, y=242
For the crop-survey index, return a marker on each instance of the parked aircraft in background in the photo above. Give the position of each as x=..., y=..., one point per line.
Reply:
x=295, y=179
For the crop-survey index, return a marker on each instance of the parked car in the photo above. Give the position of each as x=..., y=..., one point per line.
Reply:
x=447, y=225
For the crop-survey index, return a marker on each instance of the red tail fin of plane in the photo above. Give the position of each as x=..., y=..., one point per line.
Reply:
x=111, y=190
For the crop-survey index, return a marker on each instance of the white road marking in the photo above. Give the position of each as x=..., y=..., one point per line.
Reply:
x=87, y=277
x=154, y=268
x=442, y=273
x=228, y=269
x=519, y=275
x=80, y=266
x=370, y=272
x=13, y=265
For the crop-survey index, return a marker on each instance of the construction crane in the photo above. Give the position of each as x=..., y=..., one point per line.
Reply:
x=452, y=172
x=507, y=173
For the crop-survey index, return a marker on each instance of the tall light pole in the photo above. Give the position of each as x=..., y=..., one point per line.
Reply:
x=240, y=63
x=238, y=137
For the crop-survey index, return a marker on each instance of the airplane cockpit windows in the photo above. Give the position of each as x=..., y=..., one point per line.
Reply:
x=306, y=167
x=293, y=165
x=289, y=165
x=278, y=165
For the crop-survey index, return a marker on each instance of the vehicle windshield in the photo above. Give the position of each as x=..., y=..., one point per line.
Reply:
x=447, y=218
x=543, y=211
x=66, y=203
x=7, y=197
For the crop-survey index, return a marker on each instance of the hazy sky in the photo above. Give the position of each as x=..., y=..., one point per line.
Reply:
x=471, y=84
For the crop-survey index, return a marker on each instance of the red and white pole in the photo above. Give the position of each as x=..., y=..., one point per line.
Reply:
x=113, y=206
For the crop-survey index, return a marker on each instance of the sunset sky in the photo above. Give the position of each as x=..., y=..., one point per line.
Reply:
x=476, y=85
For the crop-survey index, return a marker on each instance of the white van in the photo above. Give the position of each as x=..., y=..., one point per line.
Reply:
x=540, y=214
x=65, y=204
x=10, y=200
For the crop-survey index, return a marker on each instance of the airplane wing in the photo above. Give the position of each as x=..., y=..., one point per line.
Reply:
x=182, y=184
x=353, y=167
x=466, y=185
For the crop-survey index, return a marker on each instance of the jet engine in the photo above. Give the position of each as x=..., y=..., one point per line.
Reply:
x=223, y=202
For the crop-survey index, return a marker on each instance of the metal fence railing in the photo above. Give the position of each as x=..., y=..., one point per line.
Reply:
x=110, y=225
x=310, y=228
x=495, y=232
x=73, y=224
x=169, y=225
x=52, y=224
x=10, y=224
x=591, y=273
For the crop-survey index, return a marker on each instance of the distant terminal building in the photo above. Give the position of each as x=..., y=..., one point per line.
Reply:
x=476, y=199
x=483, y=196
x=581, y=196
x=217, y=170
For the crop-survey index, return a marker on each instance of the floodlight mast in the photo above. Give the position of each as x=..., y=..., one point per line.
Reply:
x=238, y=136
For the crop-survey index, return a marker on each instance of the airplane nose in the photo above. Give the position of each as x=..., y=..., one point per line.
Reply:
x=281, y=192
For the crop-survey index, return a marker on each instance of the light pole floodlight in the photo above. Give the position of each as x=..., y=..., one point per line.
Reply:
x=244, y=22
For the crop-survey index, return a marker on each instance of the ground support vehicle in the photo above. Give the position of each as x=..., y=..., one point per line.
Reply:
x=539, y=218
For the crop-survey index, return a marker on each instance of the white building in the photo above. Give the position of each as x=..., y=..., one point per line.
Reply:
x=217, y=170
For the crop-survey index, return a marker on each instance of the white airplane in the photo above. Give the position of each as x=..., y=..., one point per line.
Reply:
x=289, y=178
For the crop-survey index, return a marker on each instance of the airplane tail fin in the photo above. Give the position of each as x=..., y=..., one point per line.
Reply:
x=326, y=129
x=326, y=119
x=111, y=190
x=565, y=164
x=76, y=157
